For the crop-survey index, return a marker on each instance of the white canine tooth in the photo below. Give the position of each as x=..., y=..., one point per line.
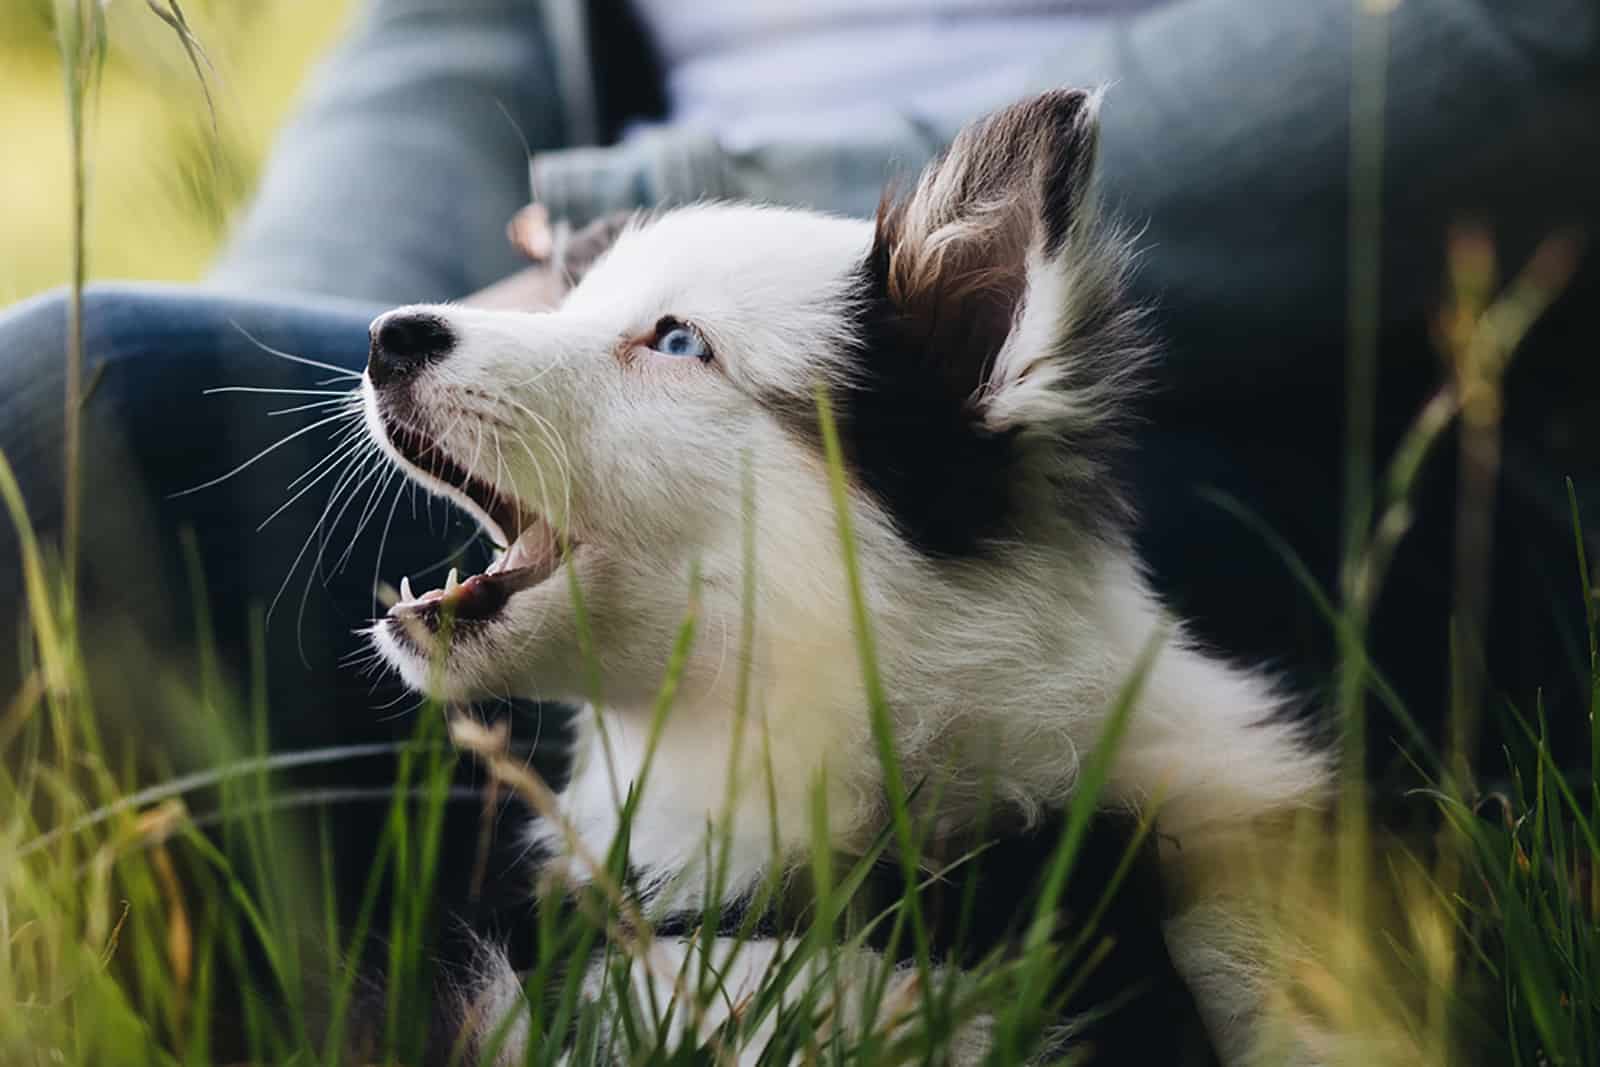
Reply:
x=452, y=581
x=405, y=591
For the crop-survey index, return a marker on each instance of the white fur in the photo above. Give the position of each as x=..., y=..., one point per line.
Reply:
x=1000, y=671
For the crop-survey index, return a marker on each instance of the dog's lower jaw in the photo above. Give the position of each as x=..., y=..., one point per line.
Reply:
x=529, y=647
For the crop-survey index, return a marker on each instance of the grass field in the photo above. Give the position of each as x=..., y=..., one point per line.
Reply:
x=127, y=918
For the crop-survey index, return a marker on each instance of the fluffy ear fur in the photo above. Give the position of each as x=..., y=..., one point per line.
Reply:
x=997, y=279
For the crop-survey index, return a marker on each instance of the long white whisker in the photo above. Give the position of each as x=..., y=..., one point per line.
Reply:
x=400, y=699
x=383, y=543
x=330, y=464
x=365, y=516
x=342, y=394
x=374, y=503
x=558, y=451
x=351, y=436
x=342, y=372
x=477, y=447
x=360, y=654
x=325, y=532
x=371, y=475
x=547, y=430
x=356, y=464
x=412, y=710
x=540, y=373
x=253, y=460
x=311, y=406
x=370, y=467
x=428, y=491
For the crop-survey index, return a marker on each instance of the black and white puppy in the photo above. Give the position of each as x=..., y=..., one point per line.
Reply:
x=978, y=353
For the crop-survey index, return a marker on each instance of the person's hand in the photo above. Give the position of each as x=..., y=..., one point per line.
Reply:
x=559, y=255
x=537, y=287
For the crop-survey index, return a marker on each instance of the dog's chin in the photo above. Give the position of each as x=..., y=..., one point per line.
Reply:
x=437, y=674
x=476, y=638
x=459, y=661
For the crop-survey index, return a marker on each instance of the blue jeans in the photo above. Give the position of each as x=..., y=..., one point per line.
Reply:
x=153, y=543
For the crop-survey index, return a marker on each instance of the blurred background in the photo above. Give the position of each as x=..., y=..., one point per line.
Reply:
x=160, y=195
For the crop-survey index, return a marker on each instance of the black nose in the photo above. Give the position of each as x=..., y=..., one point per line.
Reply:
x=403, y=342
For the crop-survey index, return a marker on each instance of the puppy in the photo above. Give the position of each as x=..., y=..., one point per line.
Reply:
x=654, y=446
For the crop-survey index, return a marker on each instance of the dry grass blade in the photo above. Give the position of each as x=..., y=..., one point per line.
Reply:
x=151, y=828
x=173, y=16
x=1479, y=333
x=180, y=933
x=491, y=746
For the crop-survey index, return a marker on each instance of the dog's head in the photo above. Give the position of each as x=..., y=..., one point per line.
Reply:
x=973, y=347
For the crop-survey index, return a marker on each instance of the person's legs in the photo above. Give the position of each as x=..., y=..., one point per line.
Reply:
x=159, y=446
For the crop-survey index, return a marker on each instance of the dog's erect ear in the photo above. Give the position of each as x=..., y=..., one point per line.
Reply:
x=1001, y=277
x=568, y=252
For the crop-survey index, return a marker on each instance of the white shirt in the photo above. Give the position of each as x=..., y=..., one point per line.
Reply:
x=753, y=70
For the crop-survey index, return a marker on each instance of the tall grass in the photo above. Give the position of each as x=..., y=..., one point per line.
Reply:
x=158, y=924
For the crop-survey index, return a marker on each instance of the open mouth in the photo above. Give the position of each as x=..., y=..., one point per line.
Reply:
x=530, y=549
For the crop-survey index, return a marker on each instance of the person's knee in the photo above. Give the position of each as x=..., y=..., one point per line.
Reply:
x=35, y=334
x=33, y=346
x=35, y=349
x=118, y=323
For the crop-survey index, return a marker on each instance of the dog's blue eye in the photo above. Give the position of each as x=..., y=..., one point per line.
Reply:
x=674, y=338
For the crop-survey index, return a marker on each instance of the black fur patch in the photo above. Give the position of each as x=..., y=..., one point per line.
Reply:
x=909, y=433
x=934, y=304
x=913, y=440
x=1068, y=165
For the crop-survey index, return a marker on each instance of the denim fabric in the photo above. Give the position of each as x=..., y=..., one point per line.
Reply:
x=152, y=433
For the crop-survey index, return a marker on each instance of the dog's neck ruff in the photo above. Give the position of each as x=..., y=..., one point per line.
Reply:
x=1207, y=748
